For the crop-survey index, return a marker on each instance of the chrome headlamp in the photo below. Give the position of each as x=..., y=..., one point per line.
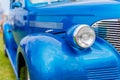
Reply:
x=83, y=35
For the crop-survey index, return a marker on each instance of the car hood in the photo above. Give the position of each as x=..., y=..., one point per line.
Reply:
x=77, y=8
x=100, y=9
x=88, y=12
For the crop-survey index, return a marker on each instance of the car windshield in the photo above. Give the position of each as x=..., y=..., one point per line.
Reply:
x=49, y=1
x=43, y=1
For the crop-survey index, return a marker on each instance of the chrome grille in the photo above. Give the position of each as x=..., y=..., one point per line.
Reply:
x=109, y=30
x=104, y=74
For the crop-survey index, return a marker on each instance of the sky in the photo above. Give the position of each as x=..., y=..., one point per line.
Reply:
x=5, y=5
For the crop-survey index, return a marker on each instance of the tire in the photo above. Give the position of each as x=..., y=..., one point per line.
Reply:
x=24, y=73
x=5, y=52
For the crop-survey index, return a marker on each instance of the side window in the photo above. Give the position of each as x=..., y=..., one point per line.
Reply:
x=22, y=1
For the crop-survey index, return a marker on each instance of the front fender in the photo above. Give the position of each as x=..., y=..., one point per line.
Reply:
x=8, y=37
x=51, y=58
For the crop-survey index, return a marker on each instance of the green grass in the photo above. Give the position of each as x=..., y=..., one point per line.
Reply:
x=6, y=71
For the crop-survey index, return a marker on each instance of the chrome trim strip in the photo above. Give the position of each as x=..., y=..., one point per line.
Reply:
x=53, y=25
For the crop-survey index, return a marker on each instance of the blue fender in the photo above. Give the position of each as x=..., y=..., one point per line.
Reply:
x=10, y=45
x=8, y=36
x=50, y=58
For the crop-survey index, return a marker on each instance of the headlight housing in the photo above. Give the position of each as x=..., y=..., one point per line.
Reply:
x=82, y=36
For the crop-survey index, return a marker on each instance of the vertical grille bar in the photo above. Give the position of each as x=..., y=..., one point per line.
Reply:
x=109, y=30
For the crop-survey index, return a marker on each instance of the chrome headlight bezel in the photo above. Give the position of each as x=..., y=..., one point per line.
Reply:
x=83, y=36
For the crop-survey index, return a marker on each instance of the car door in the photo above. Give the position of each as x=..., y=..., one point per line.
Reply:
x=19, y=28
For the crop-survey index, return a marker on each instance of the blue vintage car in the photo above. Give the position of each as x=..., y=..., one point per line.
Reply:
x=63, y=39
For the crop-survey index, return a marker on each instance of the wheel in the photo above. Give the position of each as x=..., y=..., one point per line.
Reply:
x=5, y=52
x=24, y=74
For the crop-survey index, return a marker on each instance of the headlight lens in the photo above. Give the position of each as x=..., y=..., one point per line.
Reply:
x=84, y=36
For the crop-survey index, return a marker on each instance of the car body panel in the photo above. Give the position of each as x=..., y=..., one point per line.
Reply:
x=10, y=45
x=39, y=34
x=64, y=60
